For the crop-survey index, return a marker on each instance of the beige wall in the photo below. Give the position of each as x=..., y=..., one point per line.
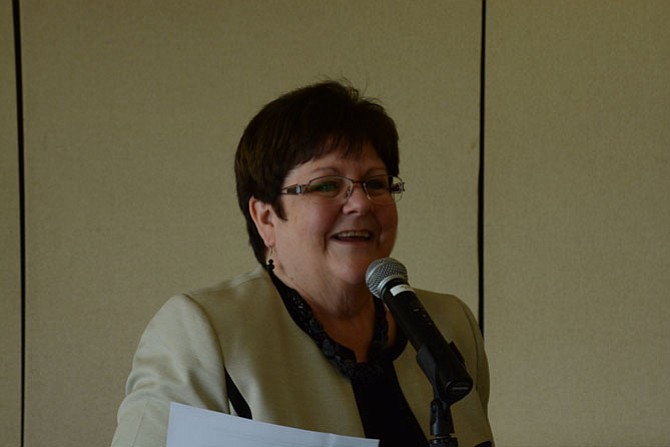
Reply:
x=132, y=114
x=578, y=222
x=132, y=117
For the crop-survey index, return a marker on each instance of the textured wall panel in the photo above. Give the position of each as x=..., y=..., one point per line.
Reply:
x=578, y=222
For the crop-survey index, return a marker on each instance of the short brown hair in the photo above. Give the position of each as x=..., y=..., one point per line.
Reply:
x=302, y=125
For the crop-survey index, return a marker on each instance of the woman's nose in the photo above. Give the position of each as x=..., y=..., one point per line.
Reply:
x=357, y=198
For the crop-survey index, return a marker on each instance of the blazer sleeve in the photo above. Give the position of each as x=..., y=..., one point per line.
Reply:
x=178, y=359
x=475, y=428
x=482, y=379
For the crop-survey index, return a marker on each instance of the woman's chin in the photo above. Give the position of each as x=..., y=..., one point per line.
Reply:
x=353, y=272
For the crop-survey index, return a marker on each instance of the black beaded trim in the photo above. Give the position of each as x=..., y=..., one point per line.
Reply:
x=340, y=356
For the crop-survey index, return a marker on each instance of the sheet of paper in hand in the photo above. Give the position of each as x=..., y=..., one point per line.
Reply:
x=195, y=427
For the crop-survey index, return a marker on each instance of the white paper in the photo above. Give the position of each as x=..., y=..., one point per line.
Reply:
x=195, y=427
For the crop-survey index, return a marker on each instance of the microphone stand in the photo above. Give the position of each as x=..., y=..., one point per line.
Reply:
x=450, y=384
x=441, y=425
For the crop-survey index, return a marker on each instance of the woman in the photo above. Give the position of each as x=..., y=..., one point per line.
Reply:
x=301, y=341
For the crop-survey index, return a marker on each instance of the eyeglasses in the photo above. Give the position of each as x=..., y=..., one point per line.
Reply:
x=380, y=189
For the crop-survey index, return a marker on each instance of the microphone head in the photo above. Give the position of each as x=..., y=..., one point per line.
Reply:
x=382, y=271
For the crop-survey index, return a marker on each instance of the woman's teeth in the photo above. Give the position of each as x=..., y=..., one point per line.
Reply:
x=353, y=235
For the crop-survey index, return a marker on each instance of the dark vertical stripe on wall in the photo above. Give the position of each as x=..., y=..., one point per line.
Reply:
x=481, y=181
x=16, y=17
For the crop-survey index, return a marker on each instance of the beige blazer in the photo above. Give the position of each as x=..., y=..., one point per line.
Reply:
x=241, y=326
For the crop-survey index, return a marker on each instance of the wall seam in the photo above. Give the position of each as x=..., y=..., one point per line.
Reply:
x=16, y=17
x=481, y=187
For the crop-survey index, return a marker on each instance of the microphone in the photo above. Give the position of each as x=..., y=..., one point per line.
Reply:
x=387, y=280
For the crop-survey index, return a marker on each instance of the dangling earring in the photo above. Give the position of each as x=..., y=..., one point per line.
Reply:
x=270, y=265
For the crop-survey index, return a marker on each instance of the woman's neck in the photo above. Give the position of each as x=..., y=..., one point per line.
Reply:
x=347, y=314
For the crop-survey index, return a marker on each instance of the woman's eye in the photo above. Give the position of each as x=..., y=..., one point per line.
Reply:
x=325, y=186
x=377, y=184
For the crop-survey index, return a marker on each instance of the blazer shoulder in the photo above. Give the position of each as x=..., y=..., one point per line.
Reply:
x=242, y=290
x=445, y=304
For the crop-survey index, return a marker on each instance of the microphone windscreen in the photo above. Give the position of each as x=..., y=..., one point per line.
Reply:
x=381, y=271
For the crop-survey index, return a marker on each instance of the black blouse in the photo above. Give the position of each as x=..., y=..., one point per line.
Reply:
x=382, y=407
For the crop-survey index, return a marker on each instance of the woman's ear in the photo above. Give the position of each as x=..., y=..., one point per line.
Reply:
x=263, y=215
